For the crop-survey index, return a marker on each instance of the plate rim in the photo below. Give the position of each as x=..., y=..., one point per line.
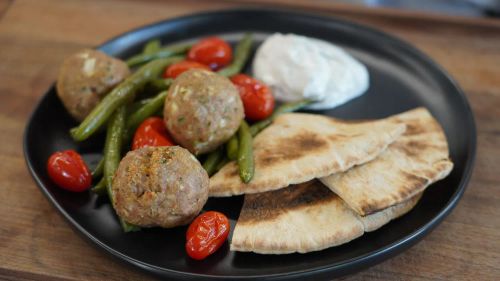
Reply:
x=346, y=266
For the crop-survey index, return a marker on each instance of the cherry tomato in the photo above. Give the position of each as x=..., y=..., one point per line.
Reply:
x=151, y=132
x=176, y=69
x=257, y=98
x=68, y=170
x=206, y=234
x=211, y=51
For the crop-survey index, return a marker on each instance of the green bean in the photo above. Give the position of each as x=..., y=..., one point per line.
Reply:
x=293, y=106
x=233, y=144
x=241, y=54
x=158, y=85
x=97, y=172
x=245, y=134
x=245, y=153
x=154, y=86
x=100, y=187
x=112, y=146
x=112, y=156
x=138, y=104
x=165, y=52
x=151, y=47
x=221, y=164
x=147, y=110
x=213, y=158
x=121, y=94
x=259, y=126
x=232, y=147
x=287, y=107
x=127, y=227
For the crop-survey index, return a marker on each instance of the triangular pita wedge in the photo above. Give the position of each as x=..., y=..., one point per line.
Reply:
x=299, y=147
x=303, y=218
x=377, y=220
x=413, y=162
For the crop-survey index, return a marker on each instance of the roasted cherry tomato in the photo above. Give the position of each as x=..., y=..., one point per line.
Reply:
x=211, y=51
x=176, y=69
x=151, y=132
x=206, y=234
x=68, y=170
x=257, y=98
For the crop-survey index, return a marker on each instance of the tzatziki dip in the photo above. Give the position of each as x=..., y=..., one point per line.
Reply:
x=298, y=67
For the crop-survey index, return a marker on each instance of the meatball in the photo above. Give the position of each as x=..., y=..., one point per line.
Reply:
x=85, y=78
x=159, y=186
x=202, y=110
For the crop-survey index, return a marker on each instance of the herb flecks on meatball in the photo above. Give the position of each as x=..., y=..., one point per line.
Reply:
x=159, y=186
x=85, y=78
x=202, y=110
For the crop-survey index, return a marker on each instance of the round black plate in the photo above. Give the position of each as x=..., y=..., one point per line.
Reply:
x=401, y=78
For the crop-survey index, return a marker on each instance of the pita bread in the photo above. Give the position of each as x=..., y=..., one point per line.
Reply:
x=413, y=162
x=303, y=218
x=299, y=147
x=376, y=220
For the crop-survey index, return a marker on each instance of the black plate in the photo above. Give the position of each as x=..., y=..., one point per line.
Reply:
x=401, y=78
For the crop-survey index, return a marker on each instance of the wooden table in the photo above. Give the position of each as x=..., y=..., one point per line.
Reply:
x=35, y=35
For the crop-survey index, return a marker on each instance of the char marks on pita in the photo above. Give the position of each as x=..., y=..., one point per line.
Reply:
x=303, y=218
x=299, y=147
x=417, y=159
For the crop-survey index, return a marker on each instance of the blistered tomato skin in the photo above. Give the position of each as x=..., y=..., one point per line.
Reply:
x=176, y=69
x=151, y=132
x=68, y=170
x=211, y=51
x=257, y=98
x=206, y=234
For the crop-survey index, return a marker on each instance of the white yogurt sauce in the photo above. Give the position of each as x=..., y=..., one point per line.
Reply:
x=298, y=67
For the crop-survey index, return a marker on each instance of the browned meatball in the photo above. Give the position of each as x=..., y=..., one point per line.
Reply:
x=159, y=186
x=202, y=110
x=85, y=78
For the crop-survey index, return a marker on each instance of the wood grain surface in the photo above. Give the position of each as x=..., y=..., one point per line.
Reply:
x=35, y=35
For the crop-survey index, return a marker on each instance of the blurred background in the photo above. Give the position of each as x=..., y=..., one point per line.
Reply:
x=469, y=8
